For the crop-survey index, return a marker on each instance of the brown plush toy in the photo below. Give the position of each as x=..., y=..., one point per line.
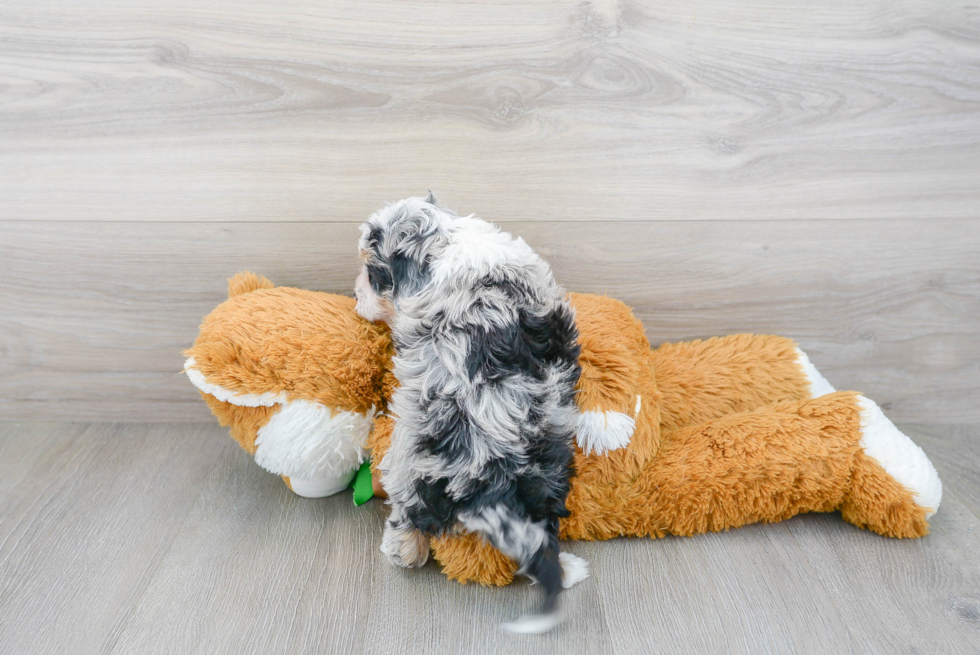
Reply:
x=688, y=438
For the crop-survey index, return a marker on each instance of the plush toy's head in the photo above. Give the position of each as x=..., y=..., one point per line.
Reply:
x=297, y=376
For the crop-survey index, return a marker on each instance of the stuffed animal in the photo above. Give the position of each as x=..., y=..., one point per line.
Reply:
x=683, y=439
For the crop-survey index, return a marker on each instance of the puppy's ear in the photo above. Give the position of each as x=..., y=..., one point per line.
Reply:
x=431, y=198
x=399, y=244
x=409, y=273
x=417, y=239
x=380, y=278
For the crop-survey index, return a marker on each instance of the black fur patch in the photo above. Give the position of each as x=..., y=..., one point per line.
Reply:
x=531, y=344
x=380, y=278
x=374, y=237
x=449, y=433
x=440, y=510
x=409, y=275
x=545, y=567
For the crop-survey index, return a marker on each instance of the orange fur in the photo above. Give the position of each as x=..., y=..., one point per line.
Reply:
x=880, y=504
x=309, y=345
x=764, y=465
x=704, y=380
x=380, y=440
x=467, y=557
x=244, y=422
x=245, y=281
x=726, y=433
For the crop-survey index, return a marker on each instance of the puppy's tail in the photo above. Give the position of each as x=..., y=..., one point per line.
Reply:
x=534, y=546
x=544, y=568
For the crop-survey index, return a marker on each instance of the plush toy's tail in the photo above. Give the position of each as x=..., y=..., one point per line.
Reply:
x=245, y=282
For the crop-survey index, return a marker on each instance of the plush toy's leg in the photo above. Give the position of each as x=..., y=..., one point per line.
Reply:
x=704, y=380
x=468, y=558
x=888, y=467
x=833, y=452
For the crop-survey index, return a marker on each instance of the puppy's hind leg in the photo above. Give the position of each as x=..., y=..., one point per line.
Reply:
x=404, y=544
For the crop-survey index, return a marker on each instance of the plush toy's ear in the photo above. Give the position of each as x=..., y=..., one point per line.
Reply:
x=245, y=282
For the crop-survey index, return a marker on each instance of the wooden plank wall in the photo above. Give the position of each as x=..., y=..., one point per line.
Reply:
x=804, y=169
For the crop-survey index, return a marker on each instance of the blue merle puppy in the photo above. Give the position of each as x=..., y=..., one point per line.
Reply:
x=487, y=363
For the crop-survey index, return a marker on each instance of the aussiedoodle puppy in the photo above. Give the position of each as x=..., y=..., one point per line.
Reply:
x=487, y=363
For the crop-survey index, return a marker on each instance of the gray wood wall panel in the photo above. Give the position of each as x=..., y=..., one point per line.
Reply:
x=96, y=314
x=139, y=141
x=558, y=110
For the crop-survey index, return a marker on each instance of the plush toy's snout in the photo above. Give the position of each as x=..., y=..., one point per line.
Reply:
x=298, y=378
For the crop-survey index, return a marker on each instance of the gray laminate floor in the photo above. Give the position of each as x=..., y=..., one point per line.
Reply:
x=166, y=538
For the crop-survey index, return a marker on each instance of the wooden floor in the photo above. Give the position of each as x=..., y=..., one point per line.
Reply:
x=142, y=538
x=810, y=169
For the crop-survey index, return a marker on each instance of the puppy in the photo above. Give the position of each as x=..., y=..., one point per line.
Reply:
x=487, y=363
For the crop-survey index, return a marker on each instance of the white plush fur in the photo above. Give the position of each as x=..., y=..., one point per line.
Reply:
x=306, y=440
x=323, y=486
x=319, y=450
x=599, y=432
x=899, y=456
x=574, y=569
x=267, y=399
x=818, y=383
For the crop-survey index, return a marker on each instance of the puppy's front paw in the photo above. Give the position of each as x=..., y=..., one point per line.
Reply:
x=405, y=547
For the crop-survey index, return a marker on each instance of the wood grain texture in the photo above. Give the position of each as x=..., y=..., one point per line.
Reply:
x=86, y=515
x=558, y=110
x=96, y=314
x=168, y=539
x=257, y=569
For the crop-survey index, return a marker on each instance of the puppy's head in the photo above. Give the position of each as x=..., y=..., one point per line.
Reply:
x=398, y=245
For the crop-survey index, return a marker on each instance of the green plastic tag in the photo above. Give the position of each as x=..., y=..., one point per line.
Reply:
x=363, y=489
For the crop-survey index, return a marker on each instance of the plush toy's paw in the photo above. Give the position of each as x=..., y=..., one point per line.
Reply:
x=899, y=456
x=405, y=547
x=573, y=569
